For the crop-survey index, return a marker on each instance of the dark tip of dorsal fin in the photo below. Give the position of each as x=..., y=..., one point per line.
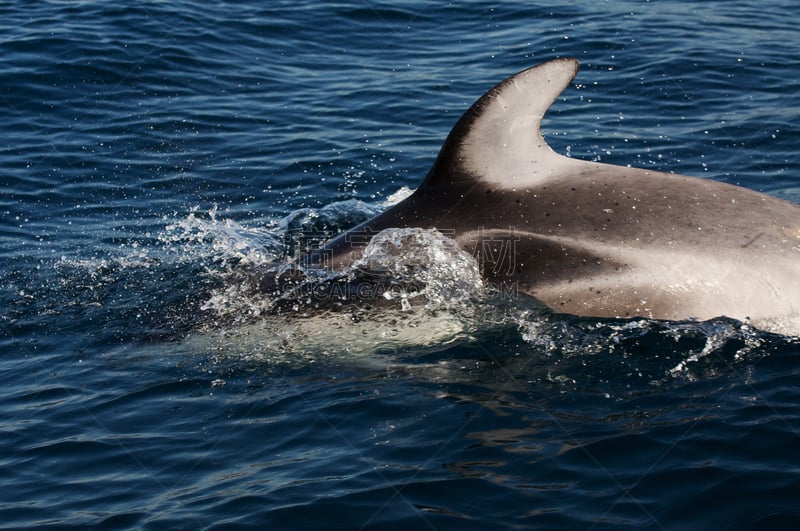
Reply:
x=498, y=140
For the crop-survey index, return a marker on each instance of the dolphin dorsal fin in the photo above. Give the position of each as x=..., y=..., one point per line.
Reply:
x=498, y=141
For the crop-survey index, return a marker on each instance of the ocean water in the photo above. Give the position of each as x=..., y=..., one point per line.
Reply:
x=153, y=154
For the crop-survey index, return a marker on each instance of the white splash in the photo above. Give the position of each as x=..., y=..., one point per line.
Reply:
x=446, y=275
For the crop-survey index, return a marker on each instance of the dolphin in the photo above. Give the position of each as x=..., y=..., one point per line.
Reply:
x=593, y=239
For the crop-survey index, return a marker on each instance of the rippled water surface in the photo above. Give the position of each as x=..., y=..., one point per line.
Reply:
x=154, y=154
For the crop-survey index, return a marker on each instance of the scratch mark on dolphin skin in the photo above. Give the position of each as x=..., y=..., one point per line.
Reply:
x=752, y=240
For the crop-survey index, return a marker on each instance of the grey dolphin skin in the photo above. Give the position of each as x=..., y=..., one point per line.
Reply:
x=593, y=239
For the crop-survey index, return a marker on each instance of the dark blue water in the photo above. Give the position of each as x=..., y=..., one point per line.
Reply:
x=152, y=151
